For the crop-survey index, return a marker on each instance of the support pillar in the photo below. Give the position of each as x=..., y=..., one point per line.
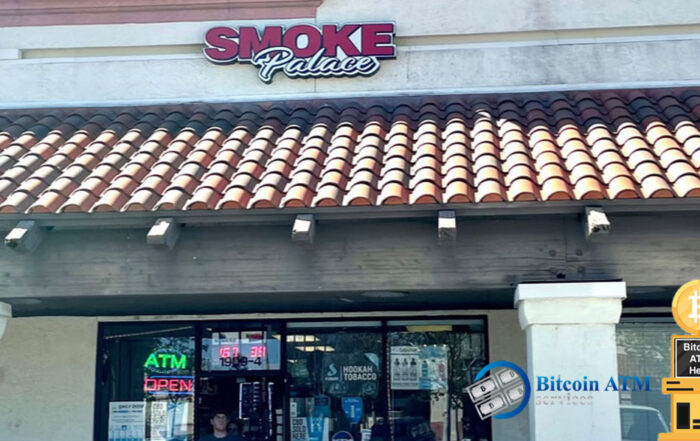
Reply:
x=5, y=314
x=570, y=331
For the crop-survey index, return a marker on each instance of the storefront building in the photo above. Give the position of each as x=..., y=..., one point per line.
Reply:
x=325, y=218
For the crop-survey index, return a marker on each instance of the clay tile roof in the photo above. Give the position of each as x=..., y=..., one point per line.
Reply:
x=393, y=151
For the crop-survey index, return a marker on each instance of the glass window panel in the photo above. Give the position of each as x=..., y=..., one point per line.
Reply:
x=643, y=349
x=147, y=383
x=431, y=364
x=336, y=384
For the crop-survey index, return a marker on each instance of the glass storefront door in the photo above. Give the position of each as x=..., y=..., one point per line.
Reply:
x=353, y=380
x=240, y=376
x=252, y=403
x=336, y=381
x=431, y=364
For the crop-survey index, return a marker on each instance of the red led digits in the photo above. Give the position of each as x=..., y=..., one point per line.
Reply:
x=234, y=357
x=229, y=351
x=257, y=352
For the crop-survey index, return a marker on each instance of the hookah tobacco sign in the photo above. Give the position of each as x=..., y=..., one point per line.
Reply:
x=304, y=51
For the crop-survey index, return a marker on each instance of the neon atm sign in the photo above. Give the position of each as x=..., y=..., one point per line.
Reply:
x=304, y=51
x=165, y=361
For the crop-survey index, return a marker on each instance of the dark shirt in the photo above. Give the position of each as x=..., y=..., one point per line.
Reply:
x=229, y=437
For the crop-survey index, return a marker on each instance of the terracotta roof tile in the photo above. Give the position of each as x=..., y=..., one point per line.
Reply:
x=563, y=146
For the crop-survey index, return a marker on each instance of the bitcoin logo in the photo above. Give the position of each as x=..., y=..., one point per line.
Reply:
x=686, y=307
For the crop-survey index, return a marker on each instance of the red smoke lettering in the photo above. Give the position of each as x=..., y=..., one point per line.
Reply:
x=251, y=42
x=377, y=40
x=220, y=46
x=334, y=38
x=314, y=40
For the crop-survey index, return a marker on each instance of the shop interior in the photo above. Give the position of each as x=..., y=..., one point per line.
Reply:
x=356, y=380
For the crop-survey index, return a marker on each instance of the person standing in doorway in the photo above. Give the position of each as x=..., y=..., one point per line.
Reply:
x=219, y=423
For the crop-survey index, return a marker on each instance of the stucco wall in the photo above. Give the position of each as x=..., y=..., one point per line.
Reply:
x=445, y=46
x=47, y=379
x=439, y=17
x=508, y=342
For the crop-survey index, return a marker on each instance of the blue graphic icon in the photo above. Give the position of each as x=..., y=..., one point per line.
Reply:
x=525, y=381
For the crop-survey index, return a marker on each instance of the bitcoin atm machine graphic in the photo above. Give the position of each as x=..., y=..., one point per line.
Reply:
x=684, y=386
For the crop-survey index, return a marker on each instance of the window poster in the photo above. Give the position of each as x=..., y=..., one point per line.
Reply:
x=419, y=368
x=318, y=428
x=127, y=420
x=322, y=406
x=351, y=374
x=299, y=429
x=169, y=420
x=159, y=421
x=352, y=407
x=310, y=428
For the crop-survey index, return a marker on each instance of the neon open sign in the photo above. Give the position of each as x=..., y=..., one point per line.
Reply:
x=304, y=51
x=169, y=385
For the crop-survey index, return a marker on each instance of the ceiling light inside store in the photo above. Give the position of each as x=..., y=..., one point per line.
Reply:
x=302, y=339
x=316, y=348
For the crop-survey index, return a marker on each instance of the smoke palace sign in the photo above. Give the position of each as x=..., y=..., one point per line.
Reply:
x=304, y=51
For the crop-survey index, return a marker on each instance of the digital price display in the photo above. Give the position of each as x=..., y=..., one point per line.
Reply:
x=240, y=354
x=231, y=356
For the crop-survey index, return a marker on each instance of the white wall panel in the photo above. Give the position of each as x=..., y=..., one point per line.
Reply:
x=134, y=80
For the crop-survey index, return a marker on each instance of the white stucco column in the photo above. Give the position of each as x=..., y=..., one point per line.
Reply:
x=570, y=331
x=5, y=314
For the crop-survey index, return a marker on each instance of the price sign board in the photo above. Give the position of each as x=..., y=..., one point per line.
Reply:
x=242, y=352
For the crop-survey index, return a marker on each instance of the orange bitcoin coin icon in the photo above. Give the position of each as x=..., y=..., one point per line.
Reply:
x=686, y=307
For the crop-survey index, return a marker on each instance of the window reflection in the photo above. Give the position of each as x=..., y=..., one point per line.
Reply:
x=148, y=381
x=643, y=349
x=431, y=365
